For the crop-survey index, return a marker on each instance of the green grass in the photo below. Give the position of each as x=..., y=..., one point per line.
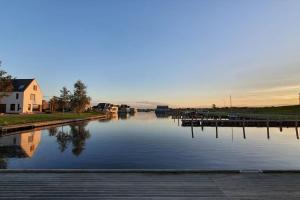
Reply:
x=22, y=119
x=281, y=112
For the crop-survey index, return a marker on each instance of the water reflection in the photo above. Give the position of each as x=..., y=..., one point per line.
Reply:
x=21, y=145
x=143, y=141
x=77, y=134
x=162, y=115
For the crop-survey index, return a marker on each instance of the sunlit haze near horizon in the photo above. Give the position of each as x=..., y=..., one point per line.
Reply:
x=191, y=53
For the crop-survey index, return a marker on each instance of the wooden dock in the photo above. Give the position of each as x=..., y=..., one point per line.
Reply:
x=239, y=123
x=167, y=186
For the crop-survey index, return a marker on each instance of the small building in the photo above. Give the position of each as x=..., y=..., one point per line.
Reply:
x=26, y=97
x=162, y=109
x=106, y=107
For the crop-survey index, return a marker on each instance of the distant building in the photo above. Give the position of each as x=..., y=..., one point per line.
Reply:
x=162, y=109
x=124, y=108
x=106, y=107
x=26, y=97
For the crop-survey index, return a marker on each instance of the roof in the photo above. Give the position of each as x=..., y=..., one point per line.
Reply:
x=20, y=85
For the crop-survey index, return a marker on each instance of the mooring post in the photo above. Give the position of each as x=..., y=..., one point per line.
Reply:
x=178, y=116
x=296, y=127
x=268, y=129
x=217, y=134
x=202, y=123
x=280, y=126
x=244, y=132
x=192, y=126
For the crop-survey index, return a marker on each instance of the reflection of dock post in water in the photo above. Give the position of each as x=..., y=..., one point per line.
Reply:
x=268, y=129
x=296, y=127
x=244, y=132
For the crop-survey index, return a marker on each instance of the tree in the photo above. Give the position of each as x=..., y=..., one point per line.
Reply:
x=6, y=85
x=64, y=98
x=214, y=106
x=54, y=103
x=79, y=100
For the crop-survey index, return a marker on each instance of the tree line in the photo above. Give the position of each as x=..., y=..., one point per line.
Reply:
x=67, y=101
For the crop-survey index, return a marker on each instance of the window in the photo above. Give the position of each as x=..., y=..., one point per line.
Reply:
x=17, y=95
x=12, y=107
x=30, y=139
x=19, y=107
x=32, y=97
x=29, y=107
x=35, y=87
x=15, y=141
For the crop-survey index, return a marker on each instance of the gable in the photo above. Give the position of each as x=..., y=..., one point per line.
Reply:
x=20, y=85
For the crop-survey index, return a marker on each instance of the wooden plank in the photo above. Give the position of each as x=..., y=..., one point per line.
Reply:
x=149, y=186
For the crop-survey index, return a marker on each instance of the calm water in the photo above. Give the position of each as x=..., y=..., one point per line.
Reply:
x=145, y=141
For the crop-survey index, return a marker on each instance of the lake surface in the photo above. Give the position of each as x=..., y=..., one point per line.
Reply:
x=144, y=141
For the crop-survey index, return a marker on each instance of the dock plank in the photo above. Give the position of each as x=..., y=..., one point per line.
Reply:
x=149, y=186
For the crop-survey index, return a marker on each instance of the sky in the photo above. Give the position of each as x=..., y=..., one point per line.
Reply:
x=184, y=53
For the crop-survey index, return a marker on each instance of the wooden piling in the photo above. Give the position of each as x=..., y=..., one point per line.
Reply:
x=192, y=127
x=296, y=127
x=217, y=134
x=268, y=129
x=244, y=132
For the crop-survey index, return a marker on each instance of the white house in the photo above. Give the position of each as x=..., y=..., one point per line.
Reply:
x=26, y=97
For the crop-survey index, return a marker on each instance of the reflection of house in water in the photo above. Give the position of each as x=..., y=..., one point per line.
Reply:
x=123, y=115
x=20, y=145
x=114, y=116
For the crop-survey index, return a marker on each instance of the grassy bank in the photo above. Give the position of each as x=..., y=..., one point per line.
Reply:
x=282, y=112
x=23, y=119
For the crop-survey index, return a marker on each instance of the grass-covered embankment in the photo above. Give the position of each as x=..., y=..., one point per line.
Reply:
x=6, y=120
x=280, y=113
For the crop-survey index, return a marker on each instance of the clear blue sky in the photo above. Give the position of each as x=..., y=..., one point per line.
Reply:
x=177, y=52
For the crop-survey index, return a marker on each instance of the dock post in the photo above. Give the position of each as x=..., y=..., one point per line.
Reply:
x=280, y=126
x=296, y=127
x=192, y=126
x=268, y=129
x=217, y=134
x=202, y=128
x=244, y=132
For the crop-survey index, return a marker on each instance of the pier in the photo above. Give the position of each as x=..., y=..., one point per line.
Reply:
x=239, y=123
x=93, y=184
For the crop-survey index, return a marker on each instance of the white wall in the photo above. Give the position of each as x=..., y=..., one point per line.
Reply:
x=38, y=97
x=11, y=99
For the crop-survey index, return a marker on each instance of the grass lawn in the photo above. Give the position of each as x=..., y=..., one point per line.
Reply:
x=30, y=118
x=280, y=113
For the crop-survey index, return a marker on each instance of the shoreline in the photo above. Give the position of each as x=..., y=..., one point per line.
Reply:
x=31, y=126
